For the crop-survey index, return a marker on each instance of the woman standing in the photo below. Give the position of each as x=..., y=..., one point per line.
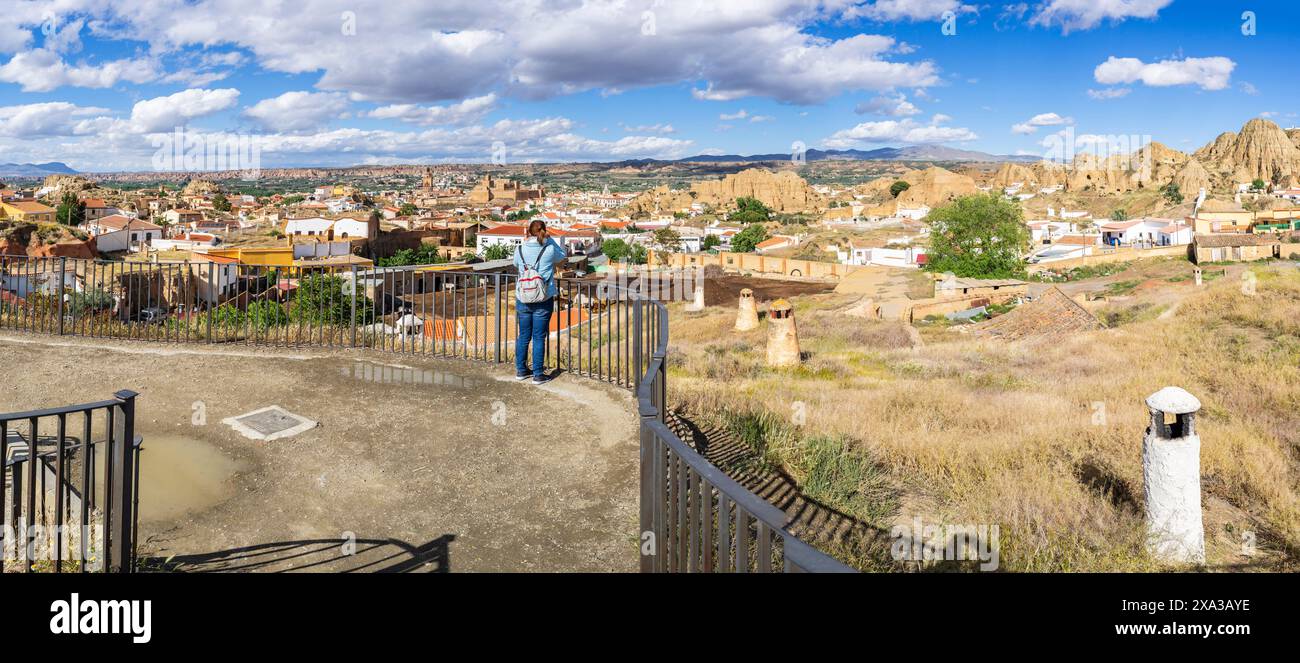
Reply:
x=535, y=262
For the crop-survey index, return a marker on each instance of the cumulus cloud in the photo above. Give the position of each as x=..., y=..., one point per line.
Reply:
x=896, y=106
x=897, y=131
x=43, y=70
x=1041, y=120
x=464, y=112
x=728, y=49
x=171, y=111
x=1213, y=73
x=297, y=111
x=1087, y=14
x=55, y=118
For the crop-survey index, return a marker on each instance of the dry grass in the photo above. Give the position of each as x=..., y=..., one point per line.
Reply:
x=1043, y=439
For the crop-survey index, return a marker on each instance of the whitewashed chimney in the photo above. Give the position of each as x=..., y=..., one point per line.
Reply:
x=1171, y=471
x=1197, y=273
x=747, y=311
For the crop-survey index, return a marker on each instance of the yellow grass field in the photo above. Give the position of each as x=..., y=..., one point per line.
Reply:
x=1040, y=437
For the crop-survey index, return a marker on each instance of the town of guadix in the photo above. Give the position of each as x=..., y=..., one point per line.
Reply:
x=918, y=292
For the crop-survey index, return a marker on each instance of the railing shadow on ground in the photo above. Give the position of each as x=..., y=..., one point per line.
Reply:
x=324, y=555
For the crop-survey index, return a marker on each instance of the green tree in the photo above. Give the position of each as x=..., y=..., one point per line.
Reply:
x=322, y=299
x=710, y=241
x=750, y=210
x=637, y=254
x=70, y=212
x=220, y=203
x=898, y=187
x=1258, y=184
x=1172, y=193
x=667, y=242
x=408, y=209
x=425, y=254
x=979, y=236
x=747, y=239
x=522, y=214
x=1119, y=215
x=498, y=252
x=615, y=249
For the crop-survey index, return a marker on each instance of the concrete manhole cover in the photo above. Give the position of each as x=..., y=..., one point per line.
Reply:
x=269, y=423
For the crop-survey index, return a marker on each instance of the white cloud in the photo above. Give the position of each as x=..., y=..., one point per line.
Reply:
x=1041, y=120
x=1087, y=14
x=761, y=118
x=55, y=118
x=1211, y=73
x=166, y=113
x=42, y=70
x=738, y=115
x=298, y=111
x=896, y=106
x=1109, y=93
x=464, y=112
x=896, y=131
x=649, y=129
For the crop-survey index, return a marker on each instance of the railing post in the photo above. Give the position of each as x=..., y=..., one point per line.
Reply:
x=650, y=488
x=212, y=299
x=63, y=279
x=355, y=285
x=496, y=308
x=122, y=500
x=637, y=332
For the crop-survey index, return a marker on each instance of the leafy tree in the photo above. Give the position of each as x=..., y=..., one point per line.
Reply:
x=498, y=252
x=979, y=236
x=898, y=187
x=615, y=249
x=637, y=254
x=1258, y=184
x=710, y=241
x=523, y=214
x=1172, y=193
x=220, y=203
x=667, y=242
x=322, y=299
x=747, y=239
x=751, y=210
x=1119, y=215
x=425, y=254
x=408, y=209
x=70, y=212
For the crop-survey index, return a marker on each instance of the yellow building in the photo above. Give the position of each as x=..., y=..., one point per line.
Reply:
x=26, y=211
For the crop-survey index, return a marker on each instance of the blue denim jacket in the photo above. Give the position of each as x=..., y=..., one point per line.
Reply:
x=554, y=255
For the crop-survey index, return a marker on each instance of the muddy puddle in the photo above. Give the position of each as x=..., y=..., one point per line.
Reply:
x=181, y=475
x=381, y=374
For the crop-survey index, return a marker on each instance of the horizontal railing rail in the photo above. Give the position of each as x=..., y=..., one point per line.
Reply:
x=693, y=517
x=68, y=502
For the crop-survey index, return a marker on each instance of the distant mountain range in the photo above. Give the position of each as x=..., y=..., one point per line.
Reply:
x=913, y=153
x=35, y=169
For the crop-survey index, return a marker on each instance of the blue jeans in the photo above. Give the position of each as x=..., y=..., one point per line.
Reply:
x=534, y=325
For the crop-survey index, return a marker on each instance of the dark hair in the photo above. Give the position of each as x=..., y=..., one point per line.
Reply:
x=536, y=228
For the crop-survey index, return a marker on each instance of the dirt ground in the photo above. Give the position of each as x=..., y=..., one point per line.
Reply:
x=725, y=290
x=417, y=464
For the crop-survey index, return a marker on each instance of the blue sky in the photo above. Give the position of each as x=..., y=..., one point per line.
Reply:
x=96, y=83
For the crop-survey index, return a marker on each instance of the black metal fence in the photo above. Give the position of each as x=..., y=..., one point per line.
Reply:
x=70, y=487
x=612, y=329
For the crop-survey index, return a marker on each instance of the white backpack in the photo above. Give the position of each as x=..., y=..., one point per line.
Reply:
x=532, y=288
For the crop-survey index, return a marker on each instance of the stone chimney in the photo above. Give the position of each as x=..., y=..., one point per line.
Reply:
x=697, y=304
x=1171, y=472
x=1197, y=273
x=782, y=337
x=747, y=312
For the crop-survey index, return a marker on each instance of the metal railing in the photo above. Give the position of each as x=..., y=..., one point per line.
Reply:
x=693, y=517
x=70, y=502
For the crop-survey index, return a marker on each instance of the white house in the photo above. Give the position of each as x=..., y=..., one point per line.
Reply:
x=310, y=227
x=1046, y=231
x=913, y=213
x=863, y=254
x=1148, y=231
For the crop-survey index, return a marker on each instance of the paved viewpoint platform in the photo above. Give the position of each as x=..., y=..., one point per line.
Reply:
x=415, y=465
